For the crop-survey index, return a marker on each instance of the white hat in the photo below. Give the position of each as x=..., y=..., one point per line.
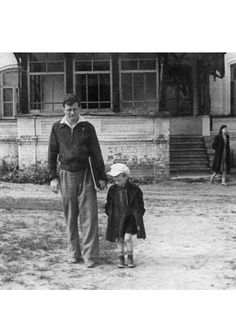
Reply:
x=117, y=169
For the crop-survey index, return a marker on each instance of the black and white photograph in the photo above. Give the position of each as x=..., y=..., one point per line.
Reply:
x=119, y=165
x=117, y=157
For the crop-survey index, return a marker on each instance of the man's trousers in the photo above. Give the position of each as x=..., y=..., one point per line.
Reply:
x=79, y=200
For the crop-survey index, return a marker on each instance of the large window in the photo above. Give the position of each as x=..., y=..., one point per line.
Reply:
x=46, y=81
x=138, y=82
x=93, y=83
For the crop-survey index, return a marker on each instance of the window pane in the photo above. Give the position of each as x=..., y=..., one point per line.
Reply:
x=38, y=67
x=8, y=110
x=138, y=86
x=58, y=89
x=92, y=87
x=55, y=66
x=7, y=94
x=101, y=66
x=47, y=93
x=35, y=92
x=46, y=90
x=129, y=64
x=80, y=86
x=104, y=80
x=150, y=92
x=147, y=64
x=83, y=66
x=43, y=56
x=104, y=105
x=83, y=105
x=126, y=86
x=52, y=89
x=93, y=105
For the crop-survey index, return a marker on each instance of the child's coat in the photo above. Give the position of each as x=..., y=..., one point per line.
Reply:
x=135, y=204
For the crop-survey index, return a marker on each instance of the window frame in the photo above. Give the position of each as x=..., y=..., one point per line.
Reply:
x=41, y=74
x=15, y=101
x=92, y=60
x=138, y=70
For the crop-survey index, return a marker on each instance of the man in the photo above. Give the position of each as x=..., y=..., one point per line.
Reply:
x=73, y=142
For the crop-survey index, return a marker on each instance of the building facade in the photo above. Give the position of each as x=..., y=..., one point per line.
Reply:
x=136, y=101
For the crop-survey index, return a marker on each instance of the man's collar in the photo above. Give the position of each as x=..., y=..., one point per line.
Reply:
x=64, y=121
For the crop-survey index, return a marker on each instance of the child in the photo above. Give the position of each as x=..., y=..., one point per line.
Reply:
x=125, y=210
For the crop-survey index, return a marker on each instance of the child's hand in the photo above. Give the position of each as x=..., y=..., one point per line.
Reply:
x=103, y=184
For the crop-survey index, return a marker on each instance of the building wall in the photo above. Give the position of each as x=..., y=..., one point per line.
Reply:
x=220, y=89
x=8, y=141
x=187, y=126
x=217, y=95
x=140, y=142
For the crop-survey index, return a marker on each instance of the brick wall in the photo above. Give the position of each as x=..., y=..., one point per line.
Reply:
x=8, y=141
x=140, y=142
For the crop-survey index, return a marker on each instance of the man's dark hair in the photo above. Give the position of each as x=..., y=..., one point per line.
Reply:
x=70, y=99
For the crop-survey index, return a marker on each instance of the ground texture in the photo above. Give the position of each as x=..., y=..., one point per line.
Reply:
x=190, y=244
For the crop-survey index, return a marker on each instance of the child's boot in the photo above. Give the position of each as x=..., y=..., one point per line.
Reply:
x=121, y=261
x=130, y=261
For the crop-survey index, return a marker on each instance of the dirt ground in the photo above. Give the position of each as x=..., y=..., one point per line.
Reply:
x=190, y=244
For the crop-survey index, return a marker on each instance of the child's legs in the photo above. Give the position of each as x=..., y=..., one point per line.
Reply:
x=213, y=175
x=129, y=243
x=120, y=246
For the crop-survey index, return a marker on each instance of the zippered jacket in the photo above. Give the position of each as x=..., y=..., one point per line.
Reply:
x=72, y=147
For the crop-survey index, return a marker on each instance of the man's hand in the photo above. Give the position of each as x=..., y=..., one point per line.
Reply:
x=102, y=184
x=54, y=184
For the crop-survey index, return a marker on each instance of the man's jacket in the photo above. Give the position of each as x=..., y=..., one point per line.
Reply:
x=72, y=148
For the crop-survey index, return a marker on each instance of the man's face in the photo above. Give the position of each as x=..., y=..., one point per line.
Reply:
x=120, y=179
x=72, y=112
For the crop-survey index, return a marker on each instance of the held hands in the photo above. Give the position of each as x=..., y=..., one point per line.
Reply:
x=102, y=184
x=54, y=184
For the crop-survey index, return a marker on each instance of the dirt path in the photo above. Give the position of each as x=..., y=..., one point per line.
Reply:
x=191, y=243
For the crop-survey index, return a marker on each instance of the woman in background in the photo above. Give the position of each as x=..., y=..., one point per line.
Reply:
x=221, y=162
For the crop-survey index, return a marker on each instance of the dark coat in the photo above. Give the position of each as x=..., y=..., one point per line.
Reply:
x=135, y=204
x=218, y=146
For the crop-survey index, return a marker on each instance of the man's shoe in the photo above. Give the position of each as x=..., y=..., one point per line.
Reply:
x=130, y=261
x=90, y=263
x=121, y=261
x=76, y=260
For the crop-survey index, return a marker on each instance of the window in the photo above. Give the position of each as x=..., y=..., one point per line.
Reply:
x=46, y=81
x=138, y=82
x=9, y=93
x=10, y=101
x=93, y=83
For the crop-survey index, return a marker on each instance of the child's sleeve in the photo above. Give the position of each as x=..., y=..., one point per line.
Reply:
x=108, y=201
